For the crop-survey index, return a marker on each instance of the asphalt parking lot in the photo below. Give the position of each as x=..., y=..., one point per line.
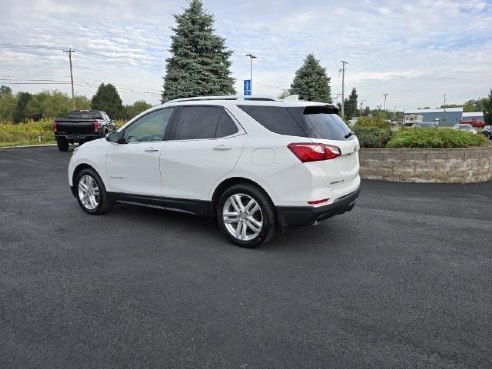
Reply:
x=404, y=280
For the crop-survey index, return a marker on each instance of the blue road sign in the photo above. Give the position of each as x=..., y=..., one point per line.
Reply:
x=247, y=87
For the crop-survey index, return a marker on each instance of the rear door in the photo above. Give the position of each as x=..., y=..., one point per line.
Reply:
x=204, y=145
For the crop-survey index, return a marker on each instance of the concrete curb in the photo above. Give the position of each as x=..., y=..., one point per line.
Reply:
x=26, y=146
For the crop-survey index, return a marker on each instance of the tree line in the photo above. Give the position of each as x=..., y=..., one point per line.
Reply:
x=25, y=106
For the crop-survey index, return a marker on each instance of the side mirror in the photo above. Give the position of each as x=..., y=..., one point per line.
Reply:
x=116, y=137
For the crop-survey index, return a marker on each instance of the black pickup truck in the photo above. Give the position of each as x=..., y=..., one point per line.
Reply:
x=81, y=126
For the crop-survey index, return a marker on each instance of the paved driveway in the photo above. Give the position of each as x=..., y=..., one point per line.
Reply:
x=404, y=280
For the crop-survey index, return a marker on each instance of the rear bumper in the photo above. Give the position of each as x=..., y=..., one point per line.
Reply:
x=77, y=137
x=290, y=216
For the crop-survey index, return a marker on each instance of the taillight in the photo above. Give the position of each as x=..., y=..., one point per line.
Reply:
x=55, y=126
x=96, y=126
x=317, y=202
x=307, y=152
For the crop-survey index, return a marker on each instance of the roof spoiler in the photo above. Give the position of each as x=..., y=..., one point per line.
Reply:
x=316, y=109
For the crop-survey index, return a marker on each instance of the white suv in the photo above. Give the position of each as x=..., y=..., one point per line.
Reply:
x=255, y=164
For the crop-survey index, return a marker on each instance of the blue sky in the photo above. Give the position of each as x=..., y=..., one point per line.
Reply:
x=415, y=52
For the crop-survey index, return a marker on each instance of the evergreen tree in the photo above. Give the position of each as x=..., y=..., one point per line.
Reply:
x=311, y=82
x=199, y=64
x=108, y=100
x=487, y=109
x=351, y=104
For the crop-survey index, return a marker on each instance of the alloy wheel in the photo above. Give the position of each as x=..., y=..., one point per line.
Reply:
x=242, y=217
x=88, y=192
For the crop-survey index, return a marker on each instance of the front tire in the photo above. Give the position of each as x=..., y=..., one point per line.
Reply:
x=62, y=144
x=91, y=193
x=246, y=215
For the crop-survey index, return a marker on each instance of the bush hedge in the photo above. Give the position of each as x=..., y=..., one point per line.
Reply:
x=435, y=138
x=372, y=136
x=372, y=132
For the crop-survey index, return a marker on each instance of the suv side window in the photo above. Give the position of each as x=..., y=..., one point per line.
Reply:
x=226, y=126
x=274, y=118
x=197, y=122
x=150, y=127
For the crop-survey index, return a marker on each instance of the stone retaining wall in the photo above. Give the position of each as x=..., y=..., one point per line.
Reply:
x=427, y=165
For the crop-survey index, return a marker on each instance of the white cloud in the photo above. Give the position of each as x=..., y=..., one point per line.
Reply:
x=415, y=52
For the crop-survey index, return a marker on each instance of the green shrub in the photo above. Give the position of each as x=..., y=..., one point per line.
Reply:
x=435, y=138
x=372, y=132
x=371, y=136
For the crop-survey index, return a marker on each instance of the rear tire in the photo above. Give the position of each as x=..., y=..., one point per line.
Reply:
x=62, y=144
x=246, y=215
x=91, y=193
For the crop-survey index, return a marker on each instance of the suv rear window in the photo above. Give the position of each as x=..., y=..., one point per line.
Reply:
x=310, y=121
x=322, y=122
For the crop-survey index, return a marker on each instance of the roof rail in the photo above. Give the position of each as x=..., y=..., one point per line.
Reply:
x=226, y=97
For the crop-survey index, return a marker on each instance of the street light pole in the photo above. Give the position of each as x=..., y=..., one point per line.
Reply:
x=251, y=57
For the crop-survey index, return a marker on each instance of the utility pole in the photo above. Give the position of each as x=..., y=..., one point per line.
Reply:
x=384, y=106
x=343, y=88
x=251, y=57
x=69, y=52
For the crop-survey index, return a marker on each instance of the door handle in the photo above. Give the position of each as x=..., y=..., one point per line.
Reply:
x=222, y=148
x=151, y=149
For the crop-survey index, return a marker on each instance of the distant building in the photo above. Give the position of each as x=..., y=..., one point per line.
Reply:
x=445, y=117
x=476, y=115
x=412, y=118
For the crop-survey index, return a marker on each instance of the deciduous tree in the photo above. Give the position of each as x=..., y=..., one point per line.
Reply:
x=20, y=112
x=136, y=108
x=8, y=102
x=487, y=109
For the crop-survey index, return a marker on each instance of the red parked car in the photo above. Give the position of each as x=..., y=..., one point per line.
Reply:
x=474, y=122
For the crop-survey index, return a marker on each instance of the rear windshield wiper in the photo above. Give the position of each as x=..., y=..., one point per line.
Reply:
x=348, y=135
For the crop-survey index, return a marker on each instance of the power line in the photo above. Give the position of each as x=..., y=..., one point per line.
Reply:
x=17, y=81
x=17, y=46
x=38, y=83
x=38, y=78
